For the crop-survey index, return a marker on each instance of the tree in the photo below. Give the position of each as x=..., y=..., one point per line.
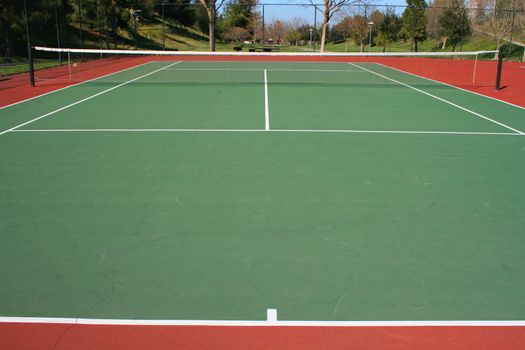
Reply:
x=301, y=27
x=12, y=24
x=520, y=21
x=331, y=7
x=358, y=21
x=212, y=6
x=454, y=24
x=277, y=31
x=293, y=36
x=415, y=21
x=360, y=30
x=376, y=18
x=389, y=29
x=238, y=13
x=343, y=30
x=11, y=15
x=236, y=34
x=181, y=11
x=500, y=18
x=254, y=26
x=434, y=13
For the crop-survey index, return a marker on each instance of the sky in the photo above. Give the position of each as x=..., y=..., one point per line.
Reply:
x=273, y=10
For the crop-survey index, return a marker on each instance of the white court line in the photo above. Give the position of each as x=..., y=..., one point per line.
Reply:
x=268, y=69
x=453, y=86
x=70, y=86
x=267, y=323
x=84, y=99
x=440, y=99
x=266, y=105
x=343, y=131
x=271, y=315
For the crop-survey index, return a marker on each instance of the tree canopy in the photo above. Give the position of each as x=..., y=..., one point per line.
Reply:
x=454, y=23
x=415, y=21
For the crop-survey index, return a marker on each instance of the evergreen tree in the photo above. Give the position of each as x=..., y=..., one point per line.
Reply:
x=454, y=23
x=389, y=28
x=181, y=11
x=238, y=13
x=415, y=21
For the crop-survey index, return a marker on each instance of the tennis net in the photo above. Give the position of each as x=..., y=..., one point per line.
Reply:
x=477, y=68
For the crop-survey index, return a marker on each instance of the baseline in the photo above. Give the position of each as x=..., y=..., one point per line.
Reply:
x=273, y=323
x=342, y=131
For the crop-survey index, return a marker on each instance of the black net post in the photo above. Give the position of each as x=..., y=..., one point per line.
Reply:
x=31, y=67
x=500, y=67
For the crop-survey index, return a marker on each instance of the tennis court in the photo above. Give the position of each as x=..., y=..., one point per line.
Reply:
x=328, y=191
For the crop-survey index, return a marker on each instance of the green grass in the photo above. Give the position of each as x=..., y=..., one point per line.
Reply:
x=19, y=65
x=476, y=42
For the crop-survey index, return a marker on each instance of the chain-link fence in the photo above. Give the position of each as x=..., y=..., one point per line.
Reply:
x=184, y=25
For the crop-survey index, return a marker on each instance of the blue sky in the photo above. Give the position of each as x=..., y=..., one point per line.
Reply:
x=273, y=11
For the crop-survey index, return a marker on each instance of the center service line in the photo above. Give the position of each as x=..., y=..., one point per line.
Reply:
x=266, y=109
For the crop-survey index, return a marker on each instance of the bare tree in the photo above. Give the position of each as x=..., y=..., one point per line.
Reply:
x=361, y=30
x=331, y=7
x=212, y=6
x=499, y=17
x=277, y=31
x=343, y=29
x=255, y=26
x=434, y=13
x=360, y=17
x=236, y=34
x=298, y=22
x=520, y=22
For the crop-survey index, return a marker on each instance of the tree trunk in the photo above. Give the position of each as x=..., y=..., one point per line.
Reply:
x=444, y=43
x=210, y=9
x=323, y=36
x=414, y=47
x=362, y=46
x=326, y=19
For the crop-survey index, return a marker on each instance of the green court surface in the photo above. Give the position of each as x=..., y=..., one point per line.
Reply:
x=201, y=191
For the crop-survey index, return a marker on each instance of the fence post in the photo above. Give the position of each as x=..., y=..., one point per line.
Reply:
x=262, y=37
x=315, y=26
x=29, y=53
x=58, y=32
x=512, y=28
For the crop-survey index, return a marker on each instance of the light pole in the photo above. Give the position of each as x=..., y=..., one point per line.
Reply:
x=370, y=39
